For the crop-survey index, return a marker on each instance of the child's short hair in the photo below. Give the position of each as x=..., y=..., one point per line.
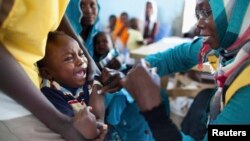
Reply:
x=102, y=33
x=52, y=38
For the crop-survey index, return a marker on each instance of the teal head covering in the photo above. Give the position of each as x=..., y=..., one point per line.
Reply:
x=94, y=30
x=231, y=19
x=74, y=15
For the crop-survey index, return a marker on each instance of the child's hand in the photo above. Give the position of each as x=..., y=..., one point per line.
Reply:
x=114, y=64
x=111, y=79
x=103, y=131
x=85, y=123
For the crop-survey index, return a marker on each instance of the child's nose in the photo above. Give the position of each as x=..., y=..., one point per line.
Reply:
x=80, y=60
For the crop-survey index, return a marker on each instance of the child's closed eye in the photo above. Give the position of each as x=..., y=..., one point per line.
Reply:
x=81, y=54
x=68, y=58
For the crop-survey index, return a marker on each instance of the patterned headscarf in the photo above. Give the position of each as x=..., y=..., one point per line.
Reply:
x=232, y=17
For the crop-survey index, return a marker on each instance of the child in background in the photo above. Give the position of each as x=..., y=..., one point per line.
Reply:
x=111, y=24
x=135, y=36
x=106, y=54
x=120, y=32
x=63, y=70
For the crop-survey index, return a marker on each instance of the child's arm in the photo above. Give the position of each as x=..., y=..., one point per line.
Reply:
x=88, y=120
x=92, y=130
x=97, y=102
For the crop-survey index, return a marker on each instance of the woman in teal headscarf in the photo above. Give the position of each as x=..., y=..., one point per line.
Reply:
x=89, y=23
x=224, y=25
x=84, y=18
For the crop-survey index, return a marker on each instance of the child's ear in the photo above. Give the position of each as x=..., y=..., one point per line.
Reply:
x=44, y=73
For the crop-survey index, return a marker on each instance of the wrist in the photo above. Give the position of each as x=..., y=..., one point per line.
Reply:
x=150, y=102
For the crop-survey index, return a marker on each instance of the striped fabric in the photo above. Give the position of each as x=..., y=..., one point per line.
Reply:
x=76, y=101
x=232, y=17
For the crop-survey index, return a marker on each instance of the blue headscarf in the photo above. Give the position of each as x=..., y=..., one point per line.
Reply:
x=94, y=30
x=75, y=14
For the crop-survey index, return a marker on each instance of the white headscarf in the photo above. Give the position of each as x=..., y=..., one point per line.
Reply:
x=153, y=17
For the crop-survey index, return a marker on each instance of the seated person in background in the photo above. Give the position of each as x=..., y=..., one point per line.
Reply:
x=135, y=36
x=120, y=33
x=151, y=24
x=111, y=24
x=64, y=71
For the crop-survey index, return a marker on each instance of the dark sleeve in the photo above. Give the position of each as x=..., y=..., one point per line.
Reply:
x=57, y=99
x=161, y=125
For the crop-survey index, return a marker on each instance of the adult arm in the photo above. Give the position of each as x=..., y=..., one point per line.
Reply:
x=161, y=125
x=179, y=58
x=148, y=98
x=97, y=102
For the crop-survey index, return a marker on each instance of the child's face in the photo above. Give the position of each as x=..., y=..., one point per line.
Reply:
x=134, y=24
x=112, y=21
x=65, y=62
x=103, y=44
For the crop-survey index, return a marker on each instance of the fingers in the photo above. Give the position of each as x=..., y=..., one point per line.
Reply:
x=111, y=86
x=111, y=80
x=142, y=62
x=102, y=126
x=106, y=75
x=103, y=131
x=89, y=109
x=107, y=89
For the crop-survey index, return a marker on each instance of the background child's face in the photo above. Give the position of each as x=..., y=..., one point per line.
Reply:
x=65, y=62
x=134, y=24
x=112, y=21
x=103, y=44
